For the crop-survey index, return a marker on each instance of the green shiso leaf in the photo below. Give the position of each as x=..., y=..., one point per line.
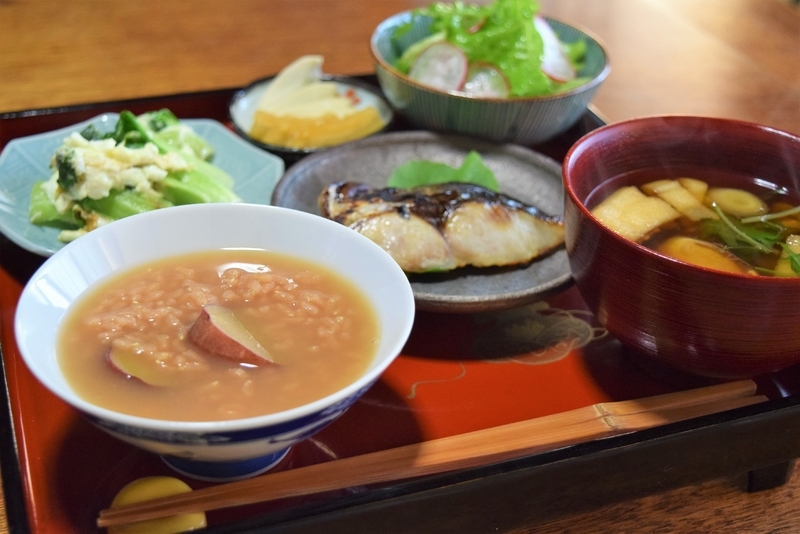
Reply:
x=474, y=171
x=420, y=173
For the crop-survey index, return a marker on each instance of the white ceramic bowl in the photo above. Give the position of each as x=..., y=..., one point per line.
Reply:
x=222, y=450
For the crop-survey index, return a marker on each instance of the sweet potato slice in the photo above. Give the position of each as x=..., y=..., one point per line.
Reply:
x=219, y=332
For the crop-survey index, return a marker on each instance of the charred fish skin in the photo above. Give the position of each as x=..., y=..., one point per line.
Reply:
x=389, y=218
x=444, y=227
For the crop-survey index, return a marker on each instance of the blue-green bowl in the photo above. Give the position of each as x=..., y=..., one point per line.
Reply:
x=522, y=120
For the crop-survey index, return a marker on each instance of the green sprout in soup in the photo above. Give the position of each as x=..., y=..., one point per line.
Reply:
x=721, y=228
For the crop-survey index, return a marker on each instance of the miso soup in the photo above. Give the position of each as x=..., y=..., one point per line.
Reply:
x=319, y=329
x=726, y=222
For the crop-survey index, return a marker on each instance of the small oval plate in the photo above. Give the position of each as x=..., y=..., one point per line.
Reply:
x=244, y=103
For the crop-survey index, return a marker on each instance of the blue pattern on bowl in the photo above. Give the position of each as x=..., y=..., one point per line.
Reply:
x=224, y=471
x=203, y=455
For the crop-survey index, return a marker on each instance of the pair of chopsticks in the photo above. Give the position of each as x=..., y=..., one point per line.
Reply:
x=462, y=451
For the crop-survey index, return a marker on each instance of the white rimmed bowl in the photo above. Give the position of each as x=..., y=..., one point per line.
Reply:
x=220, y=450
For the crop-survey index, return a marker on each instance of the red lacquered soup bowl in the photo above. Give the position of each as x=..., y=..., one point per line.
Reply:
x=666, y=312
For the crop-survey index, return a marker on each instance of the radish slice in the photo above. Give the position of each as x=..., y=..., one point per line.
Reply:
x=555, y=62
x=442, y=66
x=484, y=79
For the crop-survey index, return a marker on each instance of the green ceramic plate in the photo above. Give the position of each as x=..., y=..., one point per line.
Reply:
x=26, y=160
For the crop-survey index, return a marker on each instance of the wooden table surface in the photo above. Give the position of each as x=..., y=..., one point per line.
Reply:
x=730, y=58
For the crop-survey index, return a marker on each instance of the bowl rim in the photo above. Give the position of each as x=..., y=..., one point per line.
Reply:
x=299, y=152
x=681, y=266
x=222, y=426
x=379, y=60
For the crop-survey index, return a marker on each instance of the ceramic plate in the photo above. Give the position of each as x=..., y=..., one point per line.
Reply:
x=522, y=173
x=245, y=102
x=26, y=160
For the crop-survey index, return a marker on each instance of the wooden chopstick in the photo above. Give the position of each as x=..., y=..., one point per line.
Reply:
x=462, y=451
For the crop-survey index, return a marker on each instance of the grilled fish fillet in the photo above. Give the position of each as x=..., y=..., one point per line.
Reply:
x=444, y=227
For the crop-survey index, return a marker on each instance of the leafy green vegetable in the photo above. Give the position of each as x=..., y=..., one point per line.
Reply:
x=132, y=128
x=160, y=127
x=474, y=171
x=156, y=121
x=44, y=213
x=167, y=128
x=92, y=133
x=419, y=173
x=199, y=185
x=67, y=175
x=122, y=203
x=761, y=236
x=753, y=242
x=794, y=258
x=576, y=52
x=501, y=33
x=66, y=202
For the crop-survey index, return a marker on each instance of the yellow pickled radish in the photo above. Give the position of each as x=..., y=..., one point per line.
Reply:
x=147, y=488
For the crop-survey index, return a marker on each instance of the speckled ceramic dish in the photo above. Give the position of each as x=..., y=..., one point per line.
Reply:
x=523, y=120
x=522, y=173
x=245, y=102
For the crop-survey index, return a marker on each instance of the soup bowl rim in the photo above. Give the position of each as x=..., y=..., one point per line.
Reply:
x=680, y=266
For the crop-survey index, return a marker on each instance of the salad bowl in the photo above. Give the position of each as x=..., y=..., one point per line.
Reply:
x=521, y=120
